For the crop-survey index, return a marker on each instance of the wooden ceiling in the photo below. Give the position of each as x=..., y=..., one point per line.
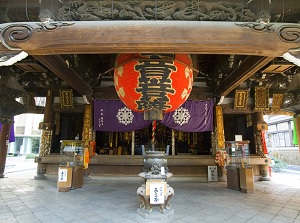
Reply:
x=229, y=48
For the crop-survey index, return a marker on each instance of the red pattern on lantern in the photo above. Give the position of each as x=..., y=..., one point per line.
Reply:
x=153, y=82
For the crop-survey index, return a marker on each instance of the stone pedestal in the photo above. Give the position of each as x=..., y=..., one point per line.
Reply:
x=155, y=193
x=40, y=173
x=264, y=172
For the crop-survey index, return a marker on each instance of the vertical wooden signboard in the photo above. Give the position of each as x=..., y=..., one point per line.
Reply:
x=220, y=127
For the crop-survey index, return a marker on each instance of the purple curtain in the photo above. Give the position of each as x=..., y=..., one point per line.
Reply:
x=12, y=137
x=192, y=116
x=113, y=116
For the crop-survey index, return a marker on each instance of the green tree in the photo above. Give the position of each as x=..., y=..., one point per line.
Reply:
x=35, y=145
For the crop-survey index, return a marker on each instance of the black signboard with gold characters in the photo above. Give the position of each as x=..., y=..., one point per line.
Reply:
x=241, y=99
x=66, y=99
x=261, y=98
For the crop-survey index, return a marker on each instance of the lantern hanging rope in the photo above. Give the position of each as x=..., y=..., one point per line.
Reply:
x=153, y=135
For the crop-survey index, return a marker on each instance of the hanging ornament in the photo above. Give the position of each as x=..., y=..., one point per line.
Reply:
x=153, y=82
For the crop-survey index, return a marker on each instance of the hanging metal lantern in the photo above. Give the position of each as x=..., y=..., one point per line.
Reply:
x=153, y=82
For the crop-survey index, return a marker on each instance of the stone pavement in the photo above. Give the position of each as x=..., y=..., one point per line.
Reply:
x=104, y=199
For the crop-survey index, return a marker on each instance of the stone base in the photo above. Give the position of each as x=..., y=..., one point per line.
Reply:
x=222, y=179
x=265, y=178
x=247, y=191
x=86, y=178
x=155, y=213
x=39, y=176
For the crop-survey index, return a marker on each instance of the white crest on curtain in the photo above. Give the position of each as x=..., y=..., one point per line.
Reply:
x=181, y=116
x=125, y=116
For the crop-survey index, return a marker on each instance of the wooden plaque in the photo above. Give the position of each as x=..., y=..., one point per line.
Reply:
x=277, y=101
x=241, y=99
x=261, y=98
x=66, y=99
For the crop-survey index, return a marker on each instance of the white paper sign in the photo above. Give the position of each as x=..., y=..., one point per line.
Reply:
x=162, y=171
x=62, y=175
x=238, y=138
x=157, y=193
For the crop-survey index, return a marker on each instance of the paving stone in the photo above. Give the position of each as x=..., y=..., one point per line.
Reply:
x=111, y=200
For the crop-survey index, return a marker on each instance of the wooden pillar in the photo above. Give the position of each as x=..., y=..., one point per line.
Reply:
x=87, y=127
x=48, y=114
x=4, y=137
x=297, y=124
x=47, y=126
x=87, y=137
x=260, y=126
x=220, y=141
x=46, y=137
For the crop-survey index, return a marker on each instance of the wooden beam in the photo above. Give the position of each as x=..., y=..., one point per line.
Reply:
x=248, y=67
x=59, y=67
x=194, y=37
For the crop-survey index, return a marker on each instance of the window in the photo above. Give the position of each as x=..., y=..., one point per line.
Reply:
x=272, y=128
x=281, y=139
x=275, y=140
x=282, y=126
x=287, y=139
x=280, y=131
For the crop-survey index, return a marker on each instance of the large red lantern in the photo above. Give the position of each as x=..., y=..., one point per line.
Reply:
x=153, y=82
